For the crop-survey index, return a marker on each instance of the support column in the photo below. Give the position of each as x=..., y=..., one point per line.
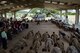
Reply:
x=14, y=14
x=66, y=16
x=5, y=15
x=66, y=13
x=60, y=13
x=1, y=14
x=77, y=16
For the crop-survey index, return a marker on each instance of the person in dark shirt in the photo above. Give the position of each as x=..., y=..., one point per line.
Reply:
x=77, y=30
x=1, y=24
x=61, y=34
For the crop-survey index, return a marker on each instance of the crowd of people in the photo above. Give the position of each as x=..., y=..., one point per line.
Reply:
x=74, y=39
x=52, y=43
x=9, y=28
x=67, y=27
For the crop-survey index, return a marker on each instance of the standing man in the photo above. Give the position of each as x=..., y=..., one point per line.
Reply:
x=4, y=38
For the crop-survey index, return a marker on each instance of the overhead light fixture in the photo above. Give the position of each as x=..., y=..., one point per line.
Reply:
x=54, y=2
x=47, y=2
x=3, y=2
x=61, y=3
x=9, y=11
x=22, y=6
x=17, y=6
x=69, y=3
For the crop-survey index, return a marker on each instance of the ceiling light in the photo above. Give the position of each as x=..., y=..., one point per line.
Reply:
x=17, y=6
x=61, y=3
x=9, y=11
x=22, y=6
x=54, y=2
x=69, y=3
x=3, y=2
x=27, y=10
x=47, y=1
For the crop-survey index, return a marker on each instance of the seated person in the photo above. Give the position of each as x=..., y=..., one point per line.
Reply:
x=73, y=28
x=79, y=45
x=77, y=30
x=77, y=34
x=9, y=33
x=60, y=44
x=30, y=34
x=54, y=37
x=61, y=34
x=36, y=45
x=45, y=36
x=38, y=35
x=56, y=49
x=49, y=42
x=74, y=41
x=71, y=49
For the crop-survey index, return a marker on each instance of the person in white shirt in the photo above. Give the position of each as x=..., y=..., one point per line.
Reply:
x=56, y=49
x=49, y=42
x=71, y=49
x=4, y=38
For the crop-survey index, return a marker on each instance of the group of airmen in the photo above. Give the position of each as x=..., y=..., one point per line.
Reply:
x=53, y=43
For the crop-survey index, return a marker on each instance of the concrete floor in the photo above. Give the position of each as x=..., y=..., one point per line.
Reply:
x=43, y=27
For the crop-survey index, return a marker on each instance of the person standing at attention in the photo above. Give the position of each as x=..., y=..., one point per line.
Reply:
x=4, y=38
